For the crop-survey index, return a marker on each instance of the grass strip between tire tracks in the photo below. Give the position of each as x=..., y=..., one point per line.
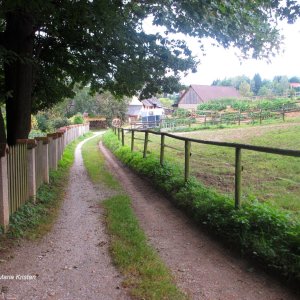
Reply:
x=145, y=274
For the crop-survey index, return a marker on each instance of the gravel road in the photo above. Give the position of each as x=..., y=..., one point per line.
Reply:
x=72, y=261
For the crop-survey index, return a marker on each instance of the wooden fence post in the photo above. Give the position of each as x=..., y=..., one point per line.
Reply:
x=118, y=133
x=238, y=177
x=187, y=154
x=283, y=114
x=239, y=117
x=123, y=137
x=145, y=144
x=31, y=171
x=260, y=117
x=46, y=162
x=162, y=149
x=132, y=140
x=4, y=201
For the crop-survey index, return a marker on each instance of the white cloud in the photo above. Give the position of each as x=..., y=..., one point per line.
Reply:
x=221, y=63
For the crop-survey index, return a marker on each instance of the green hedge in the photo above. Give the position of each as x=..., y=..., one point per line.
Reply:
x=256, y=229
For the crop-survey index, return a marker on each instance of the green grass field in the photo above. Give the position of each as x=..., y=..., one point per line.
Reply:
x=267, y=177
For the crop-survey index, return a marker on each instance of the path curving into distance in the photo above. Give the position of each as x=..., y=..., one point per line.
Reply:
x=72, y=261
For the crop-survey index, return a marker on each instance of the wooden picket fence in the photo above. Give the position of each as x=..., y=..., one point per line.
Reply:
x=25, y=166
x=17, y=176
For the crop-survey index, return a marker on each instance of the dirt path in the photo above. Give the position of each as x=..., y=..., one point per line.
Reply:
x=72, y=261
x=201, y=267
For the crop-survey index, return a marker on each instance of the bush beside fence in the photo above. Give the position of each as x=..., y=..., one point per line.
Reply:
x=26, y=165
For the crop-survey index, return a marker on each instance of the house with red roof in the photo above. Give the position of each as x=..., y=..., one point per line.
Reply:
x=197, y=94
x=295, y=85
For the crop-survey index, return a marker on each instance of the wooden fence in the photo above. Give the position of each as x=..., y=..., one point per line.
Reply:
x=217, y=118
x=207, y=118
x=25, y=166
x=188, y=152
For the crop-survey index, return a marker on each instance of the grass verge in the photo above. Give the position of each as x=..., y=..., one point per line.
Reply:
x=33, y=220
x=146, y=276
x=258, y=230
x=95, y=164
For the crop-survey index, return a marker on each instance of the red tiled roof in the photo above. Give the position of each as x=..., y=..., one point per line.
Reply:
x=151, y=102
x=294, y=84
x=208, y=92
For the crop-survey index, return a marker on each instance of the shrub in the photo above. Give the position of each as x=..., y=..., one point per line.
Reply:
x=60, y=122
x=181, y=113
x=77, y=119
x=43, y=122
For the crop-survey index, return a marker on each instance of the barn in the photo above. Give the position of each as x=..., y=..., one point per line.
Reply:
x=197, y=94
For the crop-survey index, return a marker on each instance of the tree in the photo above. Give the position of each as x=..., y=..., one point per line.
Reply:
x=280, y=85
x=257, y=83
x=46, y=46
x=232, y=81
x=265, y=91
x=245, y=89
x=294, y=79
x=108, y=106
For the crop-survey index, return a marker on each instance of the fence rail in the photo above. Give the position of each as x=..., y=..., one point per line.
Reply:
x=188, y=152
x=25, y=166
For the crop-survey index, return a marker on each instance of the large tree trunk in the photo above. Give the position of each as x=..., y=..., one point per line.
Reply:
x=18, y=38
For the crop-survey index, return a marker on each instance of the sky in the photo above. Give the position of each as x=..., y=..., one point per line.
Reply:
x=219, y=63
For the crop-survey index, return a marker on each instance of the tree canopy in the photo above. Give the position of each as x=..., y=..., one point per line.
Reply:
x=46, y=46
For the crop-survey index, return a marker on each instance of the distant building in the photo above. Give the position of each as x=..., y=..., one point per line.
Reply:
x=197, y=94
x=295, y=85
x=146, y=111
x=152, y=112
x=151, y=103
x=134, y=109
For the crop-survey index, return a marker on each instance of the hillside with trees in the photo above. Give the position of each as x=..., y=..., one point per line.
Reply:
x=279, y=86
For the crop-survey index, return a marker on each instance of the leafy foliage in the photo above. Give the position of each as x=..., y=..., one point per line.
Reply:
x=257, y=229
x=279, y=86
x=181, y=113
x=61, y=122
x=77, y=119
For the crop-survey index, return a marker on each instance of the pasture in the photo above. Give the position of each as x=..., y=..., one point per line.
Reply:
x=267, y=177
